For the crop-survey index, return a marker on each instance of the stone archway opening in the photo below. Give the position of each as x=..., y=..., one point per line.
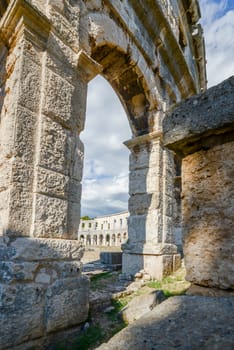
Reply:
x=105, y=173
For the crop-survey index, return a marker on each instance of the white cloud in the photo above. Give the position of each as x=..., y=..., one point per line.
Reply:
x=218, y=24
x=105, y=179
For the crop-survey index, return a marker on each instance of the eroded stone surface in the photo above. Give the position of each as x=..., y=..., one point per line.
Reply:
x=41, y=289
x=49, y=51
x=188, y=322
x=208, y=209
x=201, y=131
x=197, y=122
x=141, y=305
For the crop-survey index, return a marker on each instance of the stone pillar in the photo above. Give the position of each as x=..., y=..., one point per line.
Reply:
x=201, y=131
x=150, y=244
x=43, y=97
x=22, y=84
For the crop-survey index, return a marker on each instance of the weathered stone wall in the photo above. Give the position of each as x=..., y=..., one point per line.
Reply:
x=201, y=131
x=42, y=290
x=152, y=54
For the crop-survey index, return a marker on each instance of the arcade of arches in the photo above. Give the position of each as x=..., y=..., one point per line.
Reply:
x=107, y=230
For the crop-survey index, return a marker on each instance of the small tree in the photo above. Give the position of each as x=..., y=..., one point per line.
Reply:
x=86, y=217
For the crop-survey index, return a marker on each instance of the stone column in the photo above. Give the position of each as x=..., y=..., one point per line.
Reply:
x=201, y=131
x=150, y=246
x=22, y=84
x=43, y=96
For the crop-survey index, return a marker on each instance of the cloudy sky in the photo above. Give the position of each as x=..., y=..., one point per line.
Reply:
x=105, y=179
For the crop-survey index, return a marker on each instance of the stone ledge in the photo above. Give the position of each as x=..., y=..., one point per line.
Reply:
x=150, y=249
x=38, y=249
x=208, y=116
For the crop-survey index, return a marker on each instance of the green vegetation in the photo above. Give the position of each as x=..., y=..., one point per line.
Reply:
x=172, y=285
x=111, y=322
x=86, y=217
x=86, y=340
x=99, y=280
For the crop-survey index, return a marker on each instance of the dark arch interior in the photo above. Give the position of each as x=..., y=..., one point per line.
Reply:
x=122, y=74
x=3, y=6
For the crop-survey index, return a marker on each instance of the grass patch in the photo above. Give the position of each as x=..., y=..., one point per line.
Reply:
x=98, y=281
x=154, y=284
x=100, y=276
x=172, y=285
x=91, y=337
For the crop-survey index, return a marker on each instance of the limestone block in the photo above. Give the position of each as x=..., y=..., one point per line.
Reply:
x=4, y=210
x=30, y=84
x=210, y=328
x=146, y=155
x=73, y=219
x=144, y=180
x=20, y=211
x=52, y=183
x=21, y=175
x=43, y=277
x=74, y=191
x=66, y=28
x=56, y=147
x=58, y=98
x=145, y=228
x=189, y=126
x=141, y=304
x=55, y=61
x=5, y=177
x=77, y=160
x=155, y=265
x=208, y=216
x=137, y=181
x=168, y=205
x=159, y=248
x=50, y=217
x=132, y=263
x=176, y=262
x=136, y=228
x=168, y=229
x=60, y=57
x=7, y=131
x=64, y=101
x=13, y=271
x=6, y=251
x=104, y=30
x=140, y=203
x=139, y=158
x=79, y=99
x=66, y=303
x=32, y=50
x=40, y=249
x=24, y=134
x=21, y=313
x=67, y=269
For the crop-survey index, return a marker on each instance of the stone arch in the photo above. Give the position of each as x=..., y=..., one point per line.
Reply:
x=113, y=240
x=107, y=239
x=94, y=239
x=88, y=239
x=101, y=239
x=125, y=68
x=52, y=50
x=119, y=239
